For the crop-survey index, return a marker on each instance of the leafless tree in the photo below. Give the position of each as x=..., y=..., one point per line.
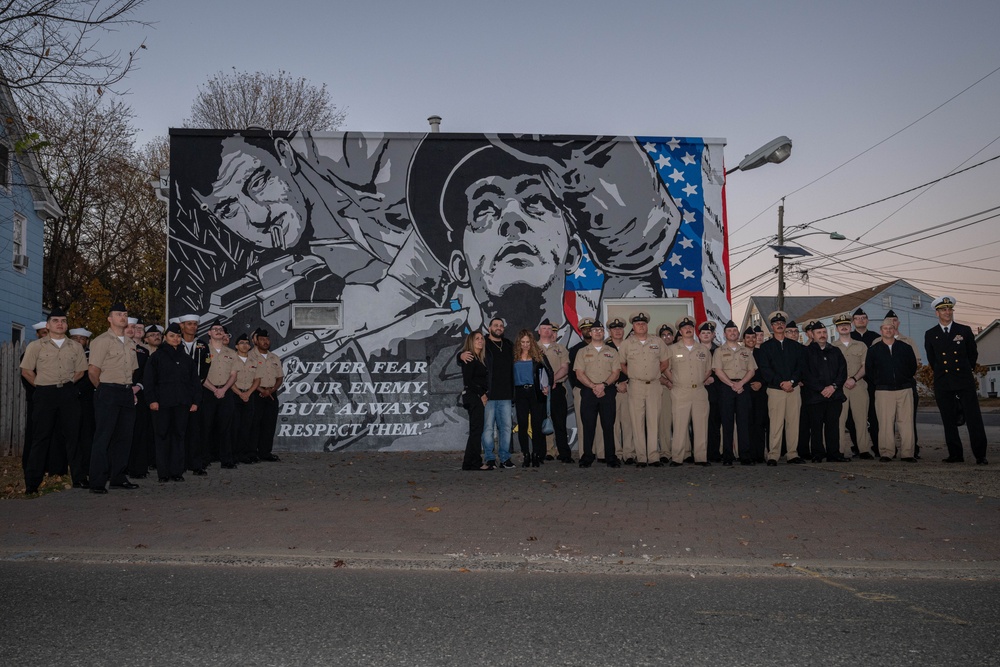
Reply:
x=278, y=101
x=46, y=44
x=112, y=238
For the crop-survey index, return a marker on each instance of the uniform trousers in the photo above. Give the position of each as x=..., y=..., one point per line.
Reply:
x=824, y=426
x=783, y=410
x=895, y=407
x=714, y=420
x=690, y=407
x=169, y=426
x=114, y=417
x=53, y=409
x=267, y=408
x=857, y=405
x=759, y=426
x=557, y=442
x=805, y=432
x=624, y=442
x=193, y=458
x=578, y=411
x=592, y=407
x=216, y=420
x=142, y=435
x=527, y=407
x=735, y=411
x=663, y=430
x=644, y=400
x=243, y=443
x=949, y=401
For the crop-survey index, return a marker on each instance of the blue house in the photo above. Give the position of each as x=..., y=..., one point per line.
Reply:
x=25, y=205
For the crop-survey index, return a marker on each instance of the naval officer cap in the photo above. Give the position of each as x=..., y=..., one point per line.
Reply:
x=640, y=317
x=944, y=302
x=665, y=327
x=843, y=318
x=616, y=323
x=777, y=316
x=585, y=323
x=684, y=322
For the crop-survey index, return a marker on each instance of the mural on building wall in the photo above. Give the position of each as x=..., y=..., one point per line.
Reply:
x=422, y=238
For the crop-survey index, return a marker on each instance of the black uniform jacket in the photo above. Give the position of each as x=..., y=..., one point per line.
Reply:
x=891, y=371
x=171, y=377
x=953, y=356
x=781, y=361
x=824, y=367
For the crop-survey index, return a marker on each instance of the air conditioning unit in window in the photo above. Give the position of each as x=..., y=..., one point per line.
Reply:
x=20, y=261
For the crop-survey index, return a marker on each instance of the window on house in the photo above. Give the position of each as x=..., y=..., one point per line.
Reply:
x=19, y=242
x=317, y=316
x=916, y=302
x=887, y=301
x=4, y=166
x=16, y=332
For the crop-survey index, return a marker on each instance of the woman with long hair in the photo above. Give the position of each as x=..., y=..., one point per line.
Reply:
x=477, y=382
x=532, y=379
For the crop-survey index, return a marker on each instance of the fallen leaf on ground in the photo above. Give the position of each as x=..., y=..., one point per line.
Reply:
x=433, y=509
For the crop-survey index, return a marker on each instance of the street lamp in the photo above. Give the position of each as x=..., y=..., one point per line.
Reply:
x=775, y=151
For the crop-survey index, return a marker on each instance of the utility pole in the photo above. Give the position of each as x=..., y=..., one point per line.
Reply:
x=781, y=257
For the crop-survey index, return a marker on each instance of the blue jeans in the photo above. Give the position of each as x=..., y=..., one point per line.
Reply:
x=497, y=415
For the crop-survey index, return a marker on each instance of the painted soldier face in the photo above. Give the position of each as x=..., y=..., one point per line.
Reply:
x=253, y=199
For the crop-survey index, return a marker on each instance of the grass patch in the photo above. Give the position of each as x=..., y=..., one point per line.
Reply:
x=12, y=480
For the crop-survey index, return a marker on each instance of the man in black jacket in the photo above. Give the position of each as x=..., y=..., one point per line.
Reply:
x=952, y=354
x=781, y=362
x=823, y=395
x=890, y=368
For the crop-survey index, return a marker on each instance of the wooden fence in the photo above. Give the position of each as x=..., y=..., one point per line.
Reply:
x=12, y=410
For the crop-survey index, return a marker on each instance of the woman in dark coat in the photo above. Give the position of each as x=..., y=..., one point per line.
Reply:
x=477, y=383
x=532, y=379
x=172, y=389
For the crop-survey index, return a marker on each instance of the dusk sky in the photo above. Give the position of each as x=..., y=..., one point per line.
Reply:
x=910, y=89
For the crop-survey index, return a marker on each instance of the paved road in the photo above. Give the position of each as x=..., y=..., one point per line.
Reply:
x=86, y=614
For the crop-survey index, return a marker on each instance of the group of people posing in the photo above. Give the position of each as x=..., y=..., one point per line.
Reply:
x=679, y=397
x=141, y=398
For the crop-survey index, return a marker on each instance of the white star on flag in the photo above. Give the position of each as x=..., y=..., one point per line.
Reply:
x=649, y=147
x=663, y=274
x=689, y=216
x=662, y=161
x=687, y=273
x=686, y=242
x=690, y=189
x=580, y=272
x=676, y=176
x=675, y=259
x=688, y=158
x=673, y=144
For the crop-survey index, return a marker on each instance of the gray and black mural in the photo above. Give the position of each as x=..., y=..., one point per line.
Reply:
x=368, y=256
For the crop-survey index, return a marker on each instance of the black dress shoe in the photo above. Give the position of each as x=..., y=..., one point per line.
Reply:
x=99, y=489
x=31, y=492
x=549, y=457
x=816, y=459
x=838, y=459
x=613, y=462
x=200, y=472
x=82, y=484
x=982, y=462
x=163, y=480
x=664, y=459
x=177, y=478
x=641, y=465
x=125, y=485
x=656, y=464
x=884, y=459
x=953, y=459
x=270, y=458
x=909, y=459
x=229, y=466
x=141, y=475
x=867, y=456
x=703, y=464
x=746, y=462
x=796, y=461
x=630, y=461
x=772, y=462
x=566, y=459
x=675, y=464
x=585, y=463
x=727, y=463
x=527, y=461
x=689, y=459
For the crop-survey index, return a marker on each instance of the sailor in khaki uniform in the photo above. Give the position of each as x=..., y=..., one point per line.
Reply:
x=584, y=325
x=266, y=408
x=52, y=365
x=689, y=366
x=217, y=406
x=624, y=442
x=666, y=334
x=856, y=389
x=597, y=367
x=644, y=358
x=112, y=364
x=243, y=390
x=558, y=356
x=735, y=367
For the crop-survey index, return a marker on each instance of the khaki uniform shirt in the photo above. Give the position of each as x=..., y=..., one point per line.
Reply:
x=54, y=365
x=597, y=366
x=557, y=354
x=221, y=365
x=855, y=353
x=116, y=360
x=734, y=363
x=246, y=371
x=268, y=370
x=689, y=368
x=643, y=359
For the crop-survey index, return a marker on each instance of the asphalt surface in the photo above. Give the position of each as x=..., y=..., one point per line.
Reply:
x=419, y=510
x=87, y=614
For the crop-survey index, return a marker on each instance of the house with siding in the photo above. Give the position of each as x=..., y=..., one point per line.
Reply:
x=25, y=205
x=988, y=343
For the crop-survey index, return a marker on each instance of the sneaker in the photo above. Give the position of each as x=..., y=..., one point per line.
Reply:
x=507, y=464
